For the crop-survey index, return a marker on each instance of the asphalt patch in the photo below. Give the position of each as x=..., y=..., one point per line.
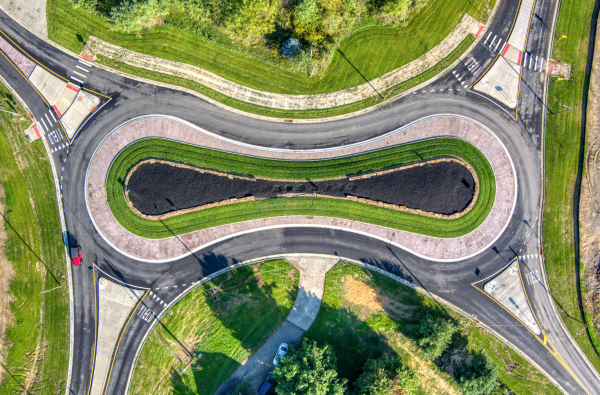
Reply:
x=442, y=188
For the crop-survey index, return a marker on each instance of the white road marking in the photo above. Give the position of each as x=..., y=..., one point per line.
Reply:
x=85, y=63
x=45, y=127
x=492, y=43
x=183, y=285
x=81, y=68
x=174, y=286
x=50, y=111
x=488, y=37
x=73, y=78
x=542, y=66
x=48, y=118
x=79, y=74
x=496, y=47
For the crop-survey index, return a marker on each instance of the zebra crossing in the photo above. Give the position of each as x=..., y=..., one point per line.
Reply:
x=145, y=313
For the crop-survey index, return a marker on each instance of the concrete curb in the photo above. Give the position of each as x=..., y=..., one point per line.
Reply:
x=220, y=233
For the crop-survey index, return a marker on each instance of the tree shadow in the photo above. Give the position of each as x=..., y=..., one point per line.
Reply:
x=275, y=38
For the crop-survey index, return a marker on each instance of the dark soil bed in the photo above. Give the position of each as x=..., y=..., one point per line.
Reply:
x=443, y=188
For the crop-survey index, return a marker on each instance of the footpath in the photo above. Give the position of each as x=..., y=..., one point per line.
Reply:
x=313, y=269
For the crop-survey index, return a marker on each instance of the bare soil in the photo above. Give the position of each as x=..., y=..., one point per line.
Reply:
x=589, y=215
x=442, y=188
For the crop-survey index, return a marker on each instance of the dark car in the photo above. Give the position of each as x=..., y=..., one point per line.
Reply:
x=266, y=386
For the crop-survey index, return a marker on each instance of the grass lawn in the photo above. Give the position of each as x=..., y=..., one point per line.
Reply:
x=38, y=337
x=295, y=114
x=366, y=314
x=389, y=157
x=253, y=301
x=562, y=150
x=373, y=50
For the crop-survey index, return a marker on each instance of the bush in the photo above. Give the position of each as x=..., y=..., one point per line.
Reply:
x=386, y=376
x=433, y=336
x=290, y=47
x=309, y=369
x=478, y=376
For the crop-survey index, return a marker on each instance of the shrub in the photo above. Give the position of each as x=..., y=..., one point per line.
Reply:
x=290, y=47
x=433, y=336
x=386, y=376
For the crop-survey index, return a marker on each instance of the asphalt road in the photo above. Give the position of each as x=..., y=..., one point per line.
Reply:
x=450, y=281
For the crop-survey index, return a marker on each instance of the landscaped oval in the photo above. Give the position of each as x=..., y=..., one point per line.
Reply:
x=183, y=206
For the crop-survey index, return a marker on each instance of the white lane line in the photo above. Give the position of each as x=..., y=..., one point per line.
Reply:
x=83, y=76
x=157, y=289
x=81, y=68
x=183, y=285
x=45, y=127
x=174, y=286
x=48, y=118
x=73, y=78
x=496, y=47
x=85, y=63
x=52, y=115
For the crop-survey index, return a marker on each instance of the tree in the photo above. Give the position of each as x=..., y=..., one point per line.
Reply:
x=433, y=336
x=478, y=376
x=386, y=376
x=309, y=369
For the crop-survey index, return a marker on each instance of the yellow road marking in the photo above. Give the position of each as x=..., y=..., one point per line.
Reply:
x=119, y=342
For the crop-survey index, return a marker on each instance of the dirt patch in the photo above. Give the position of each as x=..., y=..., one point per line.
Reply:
x=7, y=273
x=363, y=295
x=428, y=378
x=589, y=216
x=442, y=188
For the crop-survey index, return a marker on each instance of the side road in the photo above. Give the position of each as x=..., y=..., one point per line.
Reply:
x=313, y=269
x=163, y=250
x=468, y=25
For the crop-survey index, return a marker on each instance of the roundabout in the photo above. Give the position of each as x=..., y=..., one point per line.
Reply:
x=489, y=224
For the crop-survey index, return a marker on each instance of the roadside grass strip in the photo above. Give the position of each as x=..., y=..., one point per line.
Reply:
x=35, y=347
x=252, y=302
x=293, y=114
x=563, y=136
x=299, y=170
x=372, y=50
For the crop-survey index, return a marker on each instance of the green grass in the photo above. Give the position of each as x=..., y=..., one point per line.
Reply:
x=31, y=209
x=253, y=301
x=408, y=153
x=562, y=150
x=373, y=51
x=360, y=331
x=294, y=114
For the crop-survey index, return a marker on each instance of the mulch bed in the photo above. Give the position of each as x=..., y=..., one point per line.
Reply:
x=443, y=188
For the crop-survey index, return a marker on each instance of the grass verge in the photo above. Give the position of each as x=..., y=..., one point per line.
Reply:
x=36, y=343
x=293, y=114
x=366, y=314
x=253, y=301
x=563, y=134
x=370, y=52
x=372, y=161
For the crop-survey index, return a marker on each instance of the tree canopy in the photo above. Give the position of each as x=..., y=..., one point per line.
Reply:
x=433, y=336
x=309, y=369
x=386, y=376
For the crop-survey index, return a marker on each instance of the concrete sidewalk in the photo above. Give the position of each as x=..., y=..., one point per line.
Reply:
x=172, y=248
x=313, y=269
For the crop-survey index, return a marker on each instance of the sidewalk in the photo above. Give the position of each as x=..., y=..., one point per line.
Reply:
x=468, y=25
x=162, y=250
x=313, y=269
